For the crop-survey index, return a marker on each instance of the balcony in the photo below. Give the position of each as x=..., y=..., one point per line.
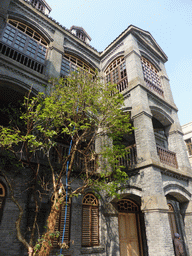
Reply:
x=167, y=157
x=130, y=160
x=122, y=85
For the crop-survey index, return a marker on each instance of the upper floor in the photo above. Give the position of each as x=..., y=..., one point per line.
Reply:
x=34, y=48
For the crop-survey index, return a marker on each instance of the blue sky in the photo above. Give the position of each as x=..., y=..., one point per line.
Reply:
x=169, y=22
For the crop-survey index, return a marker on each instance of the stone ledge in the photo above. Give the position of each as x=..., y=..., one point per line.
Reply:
x=95, y=249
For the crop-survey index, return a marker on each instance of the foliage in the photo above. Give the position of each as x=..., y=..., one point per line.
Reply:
x=78, y=109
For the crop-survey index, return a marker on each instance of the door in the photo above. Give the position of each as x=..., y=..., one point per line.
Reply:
x=129, y=234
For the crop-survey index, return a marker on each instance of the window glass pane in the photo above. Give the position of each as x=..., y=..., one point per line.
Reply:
x=31, y=48
x=41, y=54
x=20, y=41
x=9, y=34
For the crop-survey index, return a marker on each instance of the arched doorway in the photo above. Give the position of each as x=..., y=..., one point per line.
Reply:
x=129, y=228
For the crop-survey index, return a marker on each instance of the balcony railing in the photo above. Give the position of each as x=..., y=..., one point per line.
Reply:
x=21, y=58
x=167, y=157
x=130, y=160
x=154, y=88
x=122, y=85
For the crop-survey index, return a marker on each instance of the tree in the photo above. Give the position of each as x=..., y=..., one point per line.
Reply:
x=87, y=117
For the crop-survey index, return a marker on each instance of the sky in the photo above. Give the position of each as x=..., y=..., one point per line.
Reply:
x=169, y=22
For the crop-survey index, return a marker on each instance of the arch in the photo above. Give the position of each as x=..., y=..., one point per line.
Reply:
x=34, y=25
x=90, y=220
x=130, y=235
x=151, y=60
x=80, y=56
x=116, y=73
x=161, y=115
x=177, y=191
x=115, y=56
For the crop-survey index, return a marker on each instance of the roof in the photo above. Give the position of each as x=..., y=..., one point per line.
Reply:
x=82, y=30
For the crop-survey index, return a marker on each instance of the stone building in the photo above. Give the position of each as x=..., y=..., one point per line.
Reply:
x=157, y=200
x=187, y=136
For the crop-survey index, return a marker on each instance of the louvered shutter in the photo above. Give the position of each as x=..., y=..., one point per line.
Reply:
x=95, y=226
x=60, y=225
x=86, y=226
x=67, y=226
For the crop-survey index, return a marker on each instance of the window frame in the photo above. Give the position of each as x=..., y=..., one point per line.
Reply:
x=60, y=224
x=90, y=216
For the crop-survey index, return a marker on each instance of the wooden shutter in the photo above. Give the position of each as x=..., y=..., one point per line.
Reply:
x=95, y=225
x=60, y=225
x=86, y=226
x=67, y=226
x=90, y=221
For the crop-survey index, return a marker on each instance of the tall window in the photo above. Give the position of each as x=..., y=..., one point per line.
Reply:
x=2, y=199
x=90, y=220
x=189, y=146
x=151, y=76
x=71, y=63
x=116, y=73
x=23, y=44
x=60, y=225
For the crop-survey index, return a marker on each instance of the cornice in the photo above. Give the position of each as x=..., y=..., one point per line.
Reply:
x=23, y=74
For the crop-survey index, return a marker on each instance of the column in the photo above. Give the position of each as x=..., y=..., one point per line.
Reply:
x=155, y=209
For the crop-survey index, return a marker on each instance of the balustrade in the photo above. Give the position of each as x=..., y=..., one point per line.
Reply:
x=167, y=157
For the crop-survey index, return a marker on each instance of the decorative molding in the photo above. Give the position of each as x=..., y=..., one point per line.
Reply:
x=133, y=51
x=122, y=43
x=16, y=71
x=39, y=19
x=174, y=175
x=142, y=113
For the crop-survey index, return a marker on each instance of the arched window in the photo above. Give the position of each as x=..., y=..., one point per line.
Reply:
x=116, y=73
x=60, y=224
x=2, y=199
x=151, y=76
x=72, y=63
x=90, y=220
x=23, y=44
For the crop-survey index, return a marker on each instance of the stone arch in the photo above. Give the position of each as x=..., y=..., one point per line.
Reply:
x=161, y=115
x=151, y=60
x=82, y=57
x=178, y=191
x=115, y=56
x=34, y=25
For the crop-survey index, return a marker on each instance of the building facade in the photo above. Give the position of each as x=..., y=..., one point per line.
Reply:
x=157, y=201
x=187, y=136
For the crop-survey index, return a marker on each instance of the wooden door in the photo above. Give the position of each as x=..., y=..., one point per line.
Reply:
x=128, y=234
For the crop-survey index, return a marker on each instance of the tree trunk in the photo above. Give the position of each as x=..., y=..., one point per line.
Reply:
x=51, y=222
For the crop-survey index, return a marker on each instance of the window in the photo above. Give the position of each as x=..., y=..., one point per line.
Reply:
x=23, y=44
x=71, y=63
x=116, y=73
x=90, y=221
x=189, y=146
x=2, y=199
x=151, y=76
x=60, y=225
